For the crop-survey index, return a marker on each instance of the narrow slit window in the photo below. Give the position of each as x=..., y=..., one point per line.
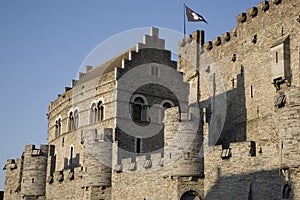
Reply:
x=71, y=154
x=138, y=145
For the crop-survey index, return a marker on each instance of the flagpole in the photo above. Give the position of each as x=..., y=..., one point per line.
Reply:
x=184, y=23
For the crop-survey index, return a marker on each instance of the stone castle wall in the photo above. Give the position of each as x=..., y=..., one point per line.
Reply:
x=237, y=70
x=76, y=173
x=233, y=136
x=13, y=179
x=26, y=178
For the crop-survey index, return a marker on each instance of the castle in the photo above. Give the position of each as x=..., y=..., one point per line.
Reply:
x=221, y=123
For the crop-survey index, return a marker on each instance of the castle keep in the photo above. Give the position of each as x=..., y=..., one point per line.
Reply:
x=222, y=123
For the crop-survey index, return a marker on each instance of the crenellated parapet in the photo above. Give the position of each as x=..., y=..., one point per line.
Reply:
x=250, y=20
x=140, y=163
x=66, y=175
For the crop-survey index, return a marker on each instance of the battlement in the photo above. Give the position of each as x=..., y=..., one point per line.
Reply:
x=10, y=164
x=144, y=162
x=248, y=20
x=31, y=149
x=66, y=175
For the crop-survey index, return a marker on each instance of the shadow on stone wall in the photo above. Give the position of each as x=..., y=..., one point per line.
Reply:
x=261, y=185
x=232, y=117
x=72, y=162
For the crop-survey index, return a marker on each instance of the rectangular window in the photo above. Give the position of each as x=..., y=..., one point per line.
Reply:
x=36, y=152
x=226, y=153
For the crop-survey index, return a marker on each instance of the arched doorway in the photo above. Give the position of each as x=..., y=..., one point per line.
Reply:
x=190, y=195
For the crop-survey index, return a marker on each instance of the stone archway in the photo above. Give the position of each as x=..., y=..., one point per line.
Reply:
x=190, y=195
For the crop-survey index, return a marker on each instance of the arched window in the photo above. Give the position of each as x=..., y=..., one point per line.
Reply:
x=165, y=105
x=139, y=110
x=286, y=192
x=57, y=128
x=93, y=113
x=100, y=110
x=190, y=195
x=71, y=121
x=76, y=119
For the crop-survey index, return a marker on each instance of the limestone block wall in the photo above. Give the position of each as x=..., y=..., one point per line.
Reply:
x=183, y=145
x=65, y=184
x=153, y=184
x=148, y=72
x=34, y=171
x=143, y=185
x=288, y=119
x=245, y=172
x=245, y=52
x=71, y=157
x=97, y=160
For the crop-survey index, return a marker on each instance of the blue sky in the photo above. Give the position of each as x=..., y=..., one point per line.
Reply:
x=43, y=44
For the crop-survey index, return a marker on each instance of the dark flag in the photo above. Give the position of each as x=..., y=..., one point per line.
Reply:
x=193, y=16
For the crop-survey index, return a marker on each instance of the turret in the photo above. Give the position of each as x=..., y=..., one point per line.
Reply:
x=183, y=145
x=97, y=158
x=34, y=171
x=13, y=179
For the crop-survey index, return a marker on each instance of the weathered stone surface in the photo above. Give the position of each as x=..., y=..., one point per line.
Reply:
x=230, y=134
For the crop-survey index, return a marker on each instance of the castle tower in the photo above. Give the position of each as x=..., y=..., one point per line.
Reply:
x=183, y=141
x=33, y=181
x=97, y=163
x=13, y=179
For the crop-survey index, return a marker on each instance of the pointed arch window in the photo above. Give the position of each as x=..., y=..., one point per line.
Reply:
x=71, y=121
x=76, y=119
x=57, y=127
x=93, y=112
x=100, y=112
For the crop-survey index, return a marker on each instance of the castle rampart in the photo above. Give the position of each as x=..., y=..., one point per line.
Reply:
x=226, y=125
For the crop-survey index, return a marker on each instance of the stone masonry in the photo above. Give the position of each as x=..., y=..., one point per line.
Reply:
x=222, y=123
